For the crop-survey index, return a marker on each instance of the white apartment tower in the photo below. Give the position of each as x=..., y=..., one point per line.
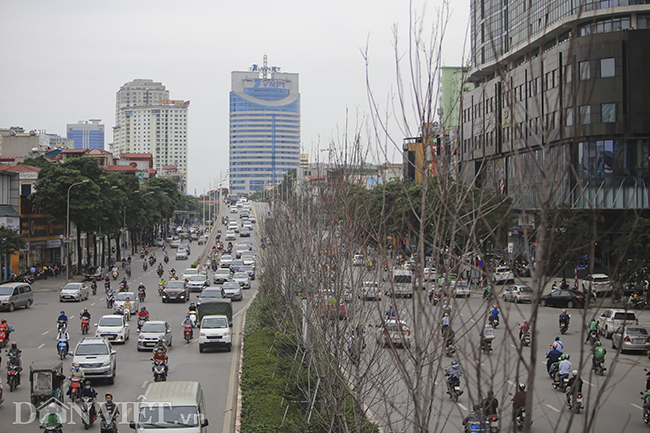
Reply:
x=147, y=121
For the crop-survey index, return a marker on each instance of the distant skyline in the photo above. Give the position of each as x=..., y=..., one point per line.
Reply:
x=67, y=60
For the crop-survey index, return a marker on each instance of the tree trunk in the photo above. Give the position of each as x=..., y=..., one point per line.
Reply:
x=95, y=251
x=78, y=250
x=119, y=248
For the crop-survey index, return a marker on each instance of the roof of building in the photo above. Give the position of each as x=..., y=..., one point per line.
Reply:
x=75, y=151
x=19, y=167
x=136, y=156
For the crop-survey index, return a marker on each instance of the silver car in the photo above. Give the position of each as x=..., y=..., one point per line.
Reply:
x=518, y=293
x=96, y=358
x=74, y=292
x=232, y=290
x=221, y=276
x=198, y=282
x=150, y=333
x=631, y=338
x=225, y=261
x=242, y=278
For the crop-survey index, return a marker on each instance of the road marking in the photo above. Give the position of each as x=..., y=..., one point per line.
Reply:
x=552, y=408
x=45, y=333
x=513, y=346
x=511, y=382
x=93, y=304
x=41, y=346
x=144, y=383
x=636, y=406
x=473, y=320
x=590, y=384
x=461, y=405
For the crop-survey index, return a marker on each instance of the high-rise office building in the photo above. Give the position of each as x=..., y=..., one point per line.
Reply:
x=147, y=121
x=560, y=82
x=264, y=127
x=86, y=134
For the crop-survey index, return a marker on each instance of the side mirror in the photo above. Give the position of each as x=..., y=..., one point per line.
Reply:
x=132, y=424
x=113, y=352
x=204, y=422
x=169, y=331
x=126, y=324
x=95, y=325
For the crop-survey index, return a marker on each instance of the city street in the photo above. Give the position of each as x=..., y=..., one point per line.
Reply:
x=35, y=332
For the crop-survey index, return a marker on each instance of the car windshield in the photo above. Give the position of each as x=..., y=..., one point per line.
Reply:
x=223, y=272
x=395, y=327
x=4, y=291
x=625, y=316
x=153, y=327
x=240, y=275
x=226, y=257
x=71, y=287
x=231, y=285
x=523, y=289
x=197, y=278
x=402, y=279
x=163, y=416
x=211, y=294
x=92, y=349
x=638, y=331
x=191, y=271
x=214, y=322
x=601, y=279
x=246, y=268
x=461, y=285
x=110, y=321
x=122, y=296
x=175, y=285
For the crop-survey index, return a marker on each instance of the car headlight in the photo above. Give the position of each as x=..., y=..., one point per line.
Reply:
x=202, y=334
x=106, y=363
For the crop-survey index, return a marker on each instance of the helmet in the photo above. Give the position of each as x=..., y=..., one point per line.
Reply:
x=187, y=317
x=75, y=366
x=14, y=345
x=495, y=306
x=85, y=309
x=557, y=338
x=453, y=362
x=476, y=407
x=564, y=311
x=567, y=356
x=191, y=304
x=597, y=343
x=109, y=396
x=574, y=373
x=522, y=386
x=87, y=383
x=554, y=345
x=3, y=320
x=51, y=408
x=446, y=314
x=562, y=357
x=160, y=339
x=62, y=312
x=142, y=309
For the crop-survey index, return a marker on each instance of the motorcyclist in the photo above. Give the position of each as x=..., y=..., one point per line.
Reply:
x=565, y=367
x=593, y=327
x=14, y=359
x=487, y=334
x=84, y=313
x=63, y=334
x=52, y=418
x=445, y=322
x=552, y=357
x=76, y=371
x=524, y=328
x=89, y=391
x=519, y=401
x=143, y=313
x=575, y=387
x=161, y=345
x=646, y=399
x=112, y=408
x=599, y=353
x=560, y=345
x=487, y=291
x=474, y=416
x=4, y=326
x=564, y=317
x=62, y=319
x=454, y=372
x=127, y=307
x=494, y=316
x=390, y=313
x=159, y=355
x=107, y=279
x=162, y=282
x=490, y=404
x=192, y=308
x=124, y=285
x=142, y=288
x=188, y=323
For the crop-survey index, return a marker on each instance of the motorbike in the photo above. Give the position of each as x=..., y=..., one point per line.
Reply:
x=564, y=327
x=525, y=339
x=4, y=338
x=93, y=287
x=159, y=373
x=128, y=271
x=646, y=411
x=450, y=350
x=520, y=420
x=593, y=337
x=85, y=325
x=553, y=370
x=599, y=367
x=141, y=322
x=52, y=428
x=577, y=405
x=494, y=321
x=124, y=287
x=75, y=388
x=151, y=261
x=193, y=319
x=13, y=376
x=639, y=304
x=453, y=388
x=161, y=287
x=561, y=383
x=144, y=266
x=487, y=346
x=110, y=300
x=493, y=422
x=141, y=294
x=61, y=326
x=187, y=333
x=142, y=254
x=86, y=409
x=160, y=272
x=115, y=274
x=107, y=425
x=62, y=347
x=166, y=259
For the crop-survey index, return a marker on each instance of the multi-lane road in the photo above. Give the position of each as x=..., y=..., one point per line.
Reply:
x=35, y=333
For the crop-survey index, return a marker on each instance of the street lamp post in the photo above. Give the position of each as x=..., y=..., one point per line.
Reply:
x=67, y=267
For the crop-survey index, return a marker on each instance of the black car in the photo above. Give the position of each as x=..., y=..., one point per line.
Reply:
x=175, y=291
x=93, y=272
x=563, y=298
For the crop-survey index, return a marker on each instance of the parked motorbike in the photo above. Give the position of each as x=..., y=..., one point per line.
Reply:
x=159, y=373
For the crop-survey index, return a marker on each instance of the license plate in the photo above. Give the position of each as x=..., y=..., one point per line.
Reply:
x=638, y=341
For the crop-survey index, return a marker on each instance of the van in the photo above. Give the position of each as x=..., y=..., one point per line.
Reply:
x=402, y=284
x=14, y=295
x=176, y=405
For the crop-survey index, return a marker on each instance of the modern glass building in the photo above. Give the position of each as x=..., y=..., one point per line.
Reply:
x=264, y=127
x=86, y=134
x=560, y=83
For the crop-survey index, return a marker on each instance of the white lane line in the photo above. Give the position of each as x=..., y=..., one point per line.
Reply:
x=93, y=304
x=473, y=320
x=45, y=333
x=144, y=383
x=552, y=408
x=461, y=406
x=636, y=406
x=41, y=346
x=513, y=346
x=590, y=384
x=511, y=382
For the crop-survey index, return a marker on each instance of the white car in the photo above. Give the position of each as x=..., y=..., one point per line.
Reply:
x=430, y=274
x=234, y=226
x=599, y=283
x=502, y=274
x=198, y=282
x=248, y=259
x=248, y=225
x=74, y=292
x=252, y=219
x=231, y=235
x=232, y=290
x=187, y=273
x=181, y=254
x=113, y=327
x=225, y=261
x=357, y=260
x=610, y=320
x=460, y=288
x=221, y=275
x=370, y=290
x=242, y=278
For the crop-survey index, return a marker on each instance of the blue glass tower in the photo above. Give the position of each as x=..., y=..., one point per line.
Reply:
x=264, y=127
x=86, y=135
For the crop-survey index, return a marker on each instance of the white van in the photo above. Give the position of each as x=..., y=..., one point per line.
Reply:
x=176, y=406
x=402, y=284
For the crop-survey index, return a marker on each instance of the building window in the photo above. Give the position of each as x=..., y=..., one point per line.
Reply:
x=584, y=70
x=608, y=113
x=585, y=114
x=607, y=68
x=568, y=119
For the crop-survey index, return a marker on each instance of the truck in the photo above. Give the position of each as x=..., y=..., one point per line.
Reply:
x=216, y=307
x=215, y=317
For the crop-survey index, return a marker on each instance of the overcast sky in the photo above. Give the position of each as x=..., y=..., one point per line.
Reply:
x=63, y=61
